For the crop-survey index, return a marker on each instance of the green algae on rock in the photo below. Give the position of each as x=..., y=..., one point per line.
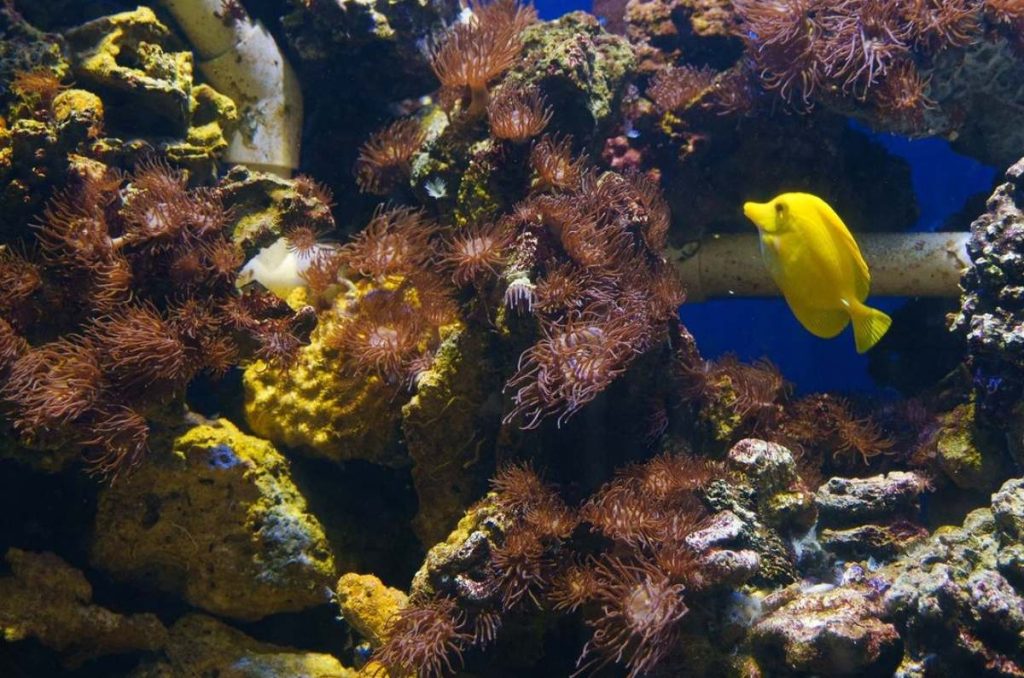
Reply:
x=203, y=646
x=217, y=520
x=444, y=433
x=47, y=599
x=968, y=453
x=581, y=68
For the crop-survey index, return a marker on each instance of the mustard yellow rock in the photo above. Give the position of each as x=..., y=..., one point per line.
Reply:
x=215, y=518
x=368, y=605
x=203, y=646
x=322, y=411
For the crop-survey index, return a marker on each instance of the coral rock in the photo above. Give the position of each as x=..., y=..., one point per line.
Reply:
x=218, y=521
x=846, y=501
x=202, y=646
x=970, y=455
x=581, y=68
x=959, y=595
x=833, y=633
x=47, y=599
x=127, y=59
x=368, y=605
x=442, y=431
x=324, y=412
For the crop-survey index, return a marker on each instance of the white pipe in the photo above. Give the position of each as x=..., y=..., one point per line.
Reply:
x=240, y=59
x=901, y=264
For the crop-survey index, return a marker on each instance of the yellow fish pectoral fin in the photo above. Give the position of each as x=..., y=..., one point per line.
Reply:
x=821, y=323
x=869, y=325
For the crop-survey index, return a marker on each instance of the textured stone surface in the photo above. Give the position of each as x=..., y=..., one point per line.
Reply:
x=367, y=605
x=202, y=646
x=46, y=599
x=848, y=501
x=833, y=633
x=216, y=520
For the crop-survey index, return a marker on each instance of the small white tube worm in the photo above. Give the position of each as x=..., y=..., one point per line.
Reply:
x=901, y=264
x=240, y=59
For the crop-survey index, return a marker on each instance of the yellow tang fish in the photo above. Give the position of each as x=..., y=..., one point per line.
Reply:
x=816, y=263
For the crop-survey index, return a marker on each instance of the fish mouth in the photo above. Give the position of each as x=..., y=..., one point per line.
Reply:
x=755, y=211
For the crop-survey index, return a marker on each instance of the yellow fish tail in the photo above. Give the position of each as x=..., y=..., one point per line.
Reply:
x=869, y=326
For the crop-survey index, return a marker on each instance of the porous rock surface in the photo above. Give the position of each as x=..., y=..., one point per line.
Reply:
x=217, y=520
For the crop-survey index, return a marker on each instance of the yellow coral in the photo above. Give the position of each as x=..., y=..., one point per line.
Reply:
x=368, y=605
x=316, y=407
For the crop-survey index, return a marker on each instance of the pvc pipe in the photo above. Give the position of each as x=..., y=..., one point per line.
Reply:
x=901, y=265
x=240, y=59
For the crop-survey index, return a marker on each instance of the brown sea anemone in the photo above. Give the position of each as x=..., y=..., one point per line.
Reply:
x=74, y=231
x=902, y=95
x=473, y=53
x=139, y=352
x=518, y=114
x=51, y=387
x=657, y=217
x=782, y=39
x=382, y=337
x=639, y=613
x=41, y=83
x=424, y=639
x=395, y=242
x=519, y=568
x=116, y=442
x=941, y=24
x=863, y=42
x=385, y=159
x=552, y=159
x=572, y=363
x=678, y=88
x=476, y=251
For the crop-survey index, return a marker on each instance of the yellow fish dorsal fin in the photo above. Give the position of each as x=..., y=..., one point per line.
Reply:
x=843, y=238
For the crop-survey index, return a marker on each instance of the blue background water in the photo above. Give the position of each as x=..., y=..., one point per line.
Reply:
x=754, y=328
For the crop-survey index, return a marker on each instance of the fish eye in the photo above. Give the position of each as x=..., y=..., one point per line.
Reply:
x=779, y=208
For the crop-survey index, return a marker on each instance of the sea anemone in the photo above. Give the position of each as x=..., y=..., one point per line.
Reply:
x=74, y=231
x=518, y=114
x=863, y=42
x=116, y=442
x=475, y=52
x=41, y=83
x=678, y=88
x=476, y=251
x=657, y=217
x=424, y=638
x=552, y=159
x=395, y=242
x=638, y=623
x=382, y=337
x=139, y=352
x=572, y=363
x=941, y=24
x=385, y=159
x=901, y=96
x=519, y=568
x=50, y=387
x=782, y=38
x=19, y=279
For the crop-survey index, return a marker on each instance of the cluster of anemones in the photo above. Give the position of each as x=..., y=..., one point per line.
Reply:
x=131, y=296
x=868, y=49
x=822, y=431
x=627, y=561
